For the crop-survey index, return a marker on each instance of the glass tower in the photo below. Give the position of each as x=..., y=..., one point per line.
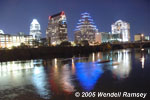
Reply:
x=57, y=29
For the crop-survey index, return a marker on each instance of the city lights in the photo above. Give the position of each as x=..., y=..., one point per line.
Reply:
x=74, y=49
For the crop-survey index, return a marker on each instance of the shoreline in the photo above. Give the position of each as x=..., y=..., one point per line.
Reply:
x=58, y=51
x=45, y=52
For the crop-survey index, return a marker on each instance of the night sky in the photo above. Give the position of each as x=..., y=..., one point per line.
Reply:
x=16, y=15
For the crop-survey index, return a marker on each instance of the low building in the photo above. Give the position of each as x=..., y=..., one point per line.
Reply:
x=146, y=38
x=98, y=38
x=139, y=37
x=116, y=37
x=105, y=37
x=8, y=41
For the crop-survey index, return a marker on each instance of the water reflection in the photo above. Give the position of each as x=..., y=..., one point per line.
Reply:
x=143, y=61
x=93, y=57
x=40, y=82
x=122, y=65
x=15, y=66
x=73, y=66
x=142, y=58
x=19, y=74
x=140, y=55
x=11, y=73
x=61, y=77
x=88, y=74
x=66, y=79
x=120, y=62
x=58, y=76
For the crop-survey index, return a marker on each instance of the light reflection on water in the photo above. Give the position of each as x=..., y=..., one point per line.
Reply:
x=65, y=76
x=11, y=74
x=40, y=83
x=60, y=77
x=88, y=74
x=123, y=68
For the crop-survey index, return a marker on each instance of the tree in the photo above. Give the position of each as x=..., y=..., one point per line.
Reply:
x=65, y=43
x=106, y=46
x=35, y=43
x=84, y=43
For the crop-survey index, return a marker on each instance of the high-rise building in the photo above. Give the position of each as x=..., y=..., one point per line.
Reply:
x=1, y=32
x=121, y=29
x=57, y=29
x=35, y=30
x=86, y=29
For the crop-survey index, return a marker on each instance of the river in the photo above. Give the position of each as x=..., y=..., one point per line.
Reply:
x=60, y=78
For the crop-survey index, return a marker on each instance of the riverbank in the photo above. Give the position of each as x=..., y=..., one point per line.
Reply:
x=26, y=53
x=45, y=52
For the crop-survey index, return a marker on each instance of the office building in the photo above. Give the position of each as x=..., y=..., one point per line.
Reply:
x=121, y=30
x=57, y=29
x=9, y=41
x=85, y=29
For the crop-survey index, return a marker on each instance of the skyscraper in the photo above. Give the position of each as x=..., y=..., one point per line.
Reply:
x=57, y=29
x=35, y=30
x=86, y=29
x=122, y=30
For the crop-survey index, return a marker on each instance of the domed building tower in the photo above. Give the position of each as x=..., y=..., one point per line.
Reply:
x=35, y=30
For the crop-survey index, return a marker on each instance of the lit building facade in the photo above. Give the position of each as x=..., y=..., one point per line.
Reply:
x=35, y=30
x=98, y=38
x=140, y=37
x=146, y=38
x=57, y=29
x=86, y=29
x=8, y=41
x=122, y=31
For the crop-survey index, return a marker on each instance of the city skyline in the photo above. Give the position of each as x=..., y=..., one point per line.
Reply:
x=104, y=13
